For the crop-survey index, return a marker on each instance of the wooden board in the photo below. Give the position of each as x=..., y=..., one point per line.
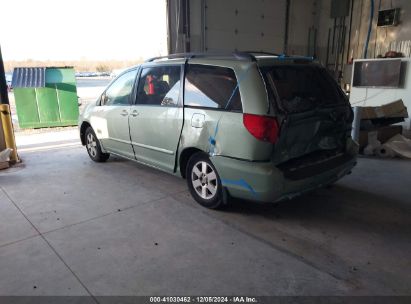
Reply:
x=392, y=109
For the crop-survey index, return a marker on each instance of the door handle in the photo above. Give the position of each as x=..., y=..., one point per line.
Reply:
x=135, y=113
x=124, y=113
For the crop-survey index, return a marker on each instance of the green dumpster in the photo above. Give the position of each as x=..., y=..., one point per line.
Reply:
x=45, y=97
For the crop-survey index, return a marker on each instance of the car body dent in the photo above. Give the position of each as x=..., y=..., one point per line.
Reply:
x=230, y=128
x=264, y=182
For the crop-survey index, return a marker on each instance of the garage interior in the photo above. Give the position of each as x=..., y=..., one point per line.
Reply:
x=73, y=227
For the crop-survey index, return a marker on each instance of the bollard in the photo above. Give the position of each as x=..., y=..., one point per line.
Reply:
x=5, y=119
x=355, y=132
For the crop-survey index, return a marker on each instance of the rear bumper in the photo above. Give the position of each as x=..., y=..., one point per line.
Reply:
x=264, y=182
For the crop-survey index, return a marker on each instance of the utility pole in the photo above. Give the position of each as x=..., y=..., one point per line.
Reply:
x=4, y=94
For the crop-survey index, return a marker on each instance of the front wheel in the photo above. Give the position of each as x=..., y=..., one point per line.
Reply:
x=93, y=147
x=204, y=182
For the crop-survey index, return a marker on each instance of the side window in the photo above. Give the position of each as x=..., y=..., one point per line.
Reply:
x=159, y=86
x=119, y=91
x=212, y=87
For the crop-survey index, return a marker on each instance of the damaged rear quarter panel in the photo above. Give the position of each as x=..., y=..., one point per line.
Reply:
x=222, y=134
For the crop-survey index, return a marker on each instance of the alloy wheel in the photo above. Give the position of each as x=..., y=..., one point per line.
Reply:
x=204, y=180
x=91, y=145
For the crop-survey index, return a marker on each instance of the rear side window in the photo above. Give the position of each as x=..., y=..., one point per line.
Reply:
x=302, y=88
x=211, y=87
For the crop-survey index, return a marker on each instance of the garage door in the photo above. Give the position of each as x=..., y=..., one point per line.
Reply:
x=238, y=25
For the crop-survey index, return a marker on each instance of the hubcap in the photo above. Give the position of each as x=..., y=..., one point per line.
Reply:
x=204, y=180
x=91, y=145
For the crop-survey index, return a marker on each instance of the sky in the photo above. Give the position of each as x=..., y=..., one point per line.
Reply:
x=83, y=29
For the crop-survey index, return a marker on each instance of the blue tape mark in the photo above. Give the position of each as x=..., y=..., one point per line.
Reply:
x=241, y=183
x=212, y=140
x=232, y=95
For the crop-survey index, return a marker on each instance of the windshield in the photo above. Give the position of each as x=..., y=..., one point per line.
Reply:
x=302, y=88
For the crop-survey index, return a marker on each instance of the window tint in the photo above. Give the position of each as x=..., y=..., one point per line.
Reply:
x=159, y=86
x=212, y=87
x=119, y=91
x=302, y=88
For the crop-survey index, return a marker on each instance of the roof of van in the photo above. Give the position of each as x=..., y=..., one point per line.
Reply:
x=261, y=58
x=241, y=56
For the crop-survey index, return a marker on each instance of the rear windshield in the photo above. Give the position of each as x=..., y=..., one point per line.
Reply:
x=302, y=88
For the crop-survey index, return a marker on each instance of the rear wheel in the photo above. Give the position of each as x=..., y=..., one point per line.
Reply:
x=204, y=182
x=93, y=147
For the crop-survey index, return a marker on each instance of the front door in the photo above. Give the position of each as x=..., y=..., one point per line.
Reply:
x=110, y=119
x=156, y=118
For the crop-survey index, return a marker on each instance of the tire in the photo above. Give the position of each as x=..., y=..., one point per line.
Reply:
x=204, y=182
x=93, y=147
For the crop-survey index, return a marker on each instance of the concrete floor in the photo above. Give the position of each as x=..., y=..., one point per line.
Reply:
x=73, y=227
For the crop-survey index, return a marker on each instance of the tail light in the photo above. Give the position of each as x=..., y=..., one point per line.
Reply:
x=263, y=128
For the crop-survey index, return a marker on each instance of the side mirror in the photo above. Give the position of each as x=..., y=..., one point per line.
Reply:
x=103, y=99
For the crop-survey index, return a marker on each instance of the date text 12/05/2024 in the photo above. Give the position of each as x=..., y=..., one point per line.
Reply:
x=239, y=299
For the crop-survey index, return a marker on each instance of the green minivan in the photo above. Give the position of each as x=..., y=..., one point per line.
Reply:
x=256, y=126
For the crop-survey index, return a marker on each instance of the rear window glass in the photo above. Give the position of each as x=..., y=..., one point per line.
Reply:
x=302, y=88
x=211, y=87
